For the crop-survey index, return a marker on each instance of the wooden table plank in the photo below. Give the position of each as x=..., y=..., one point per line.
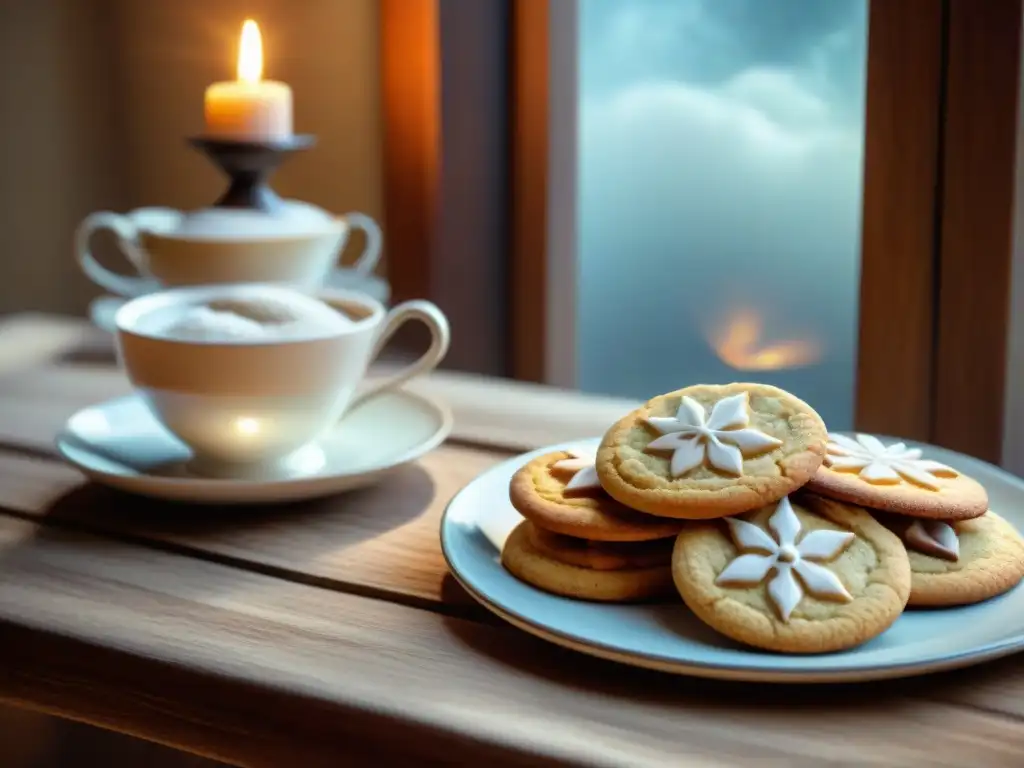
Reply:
x=381, y=541
x=347, y=542
x=202, y=656
x=51, y=492
x=353, y=547
x=30, y=338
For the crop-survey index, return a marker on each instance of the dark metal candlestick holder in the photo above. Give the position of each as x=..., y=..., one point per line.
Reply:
x=249, y=165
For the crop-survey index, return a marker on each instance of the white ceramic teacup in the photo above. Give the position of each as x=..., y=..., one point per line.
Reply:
x=255, y=409
x=166, y=252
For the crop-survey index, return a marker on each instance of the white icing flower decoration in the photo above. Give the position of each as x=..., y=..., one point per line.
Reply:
x=933, y=537
x=881, y=465
x=789, y=559
x=581, y=466
x=723, y=439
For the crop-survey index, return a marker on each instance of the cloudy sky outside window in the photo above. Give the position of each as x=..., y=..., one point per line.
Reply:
x=721, y=144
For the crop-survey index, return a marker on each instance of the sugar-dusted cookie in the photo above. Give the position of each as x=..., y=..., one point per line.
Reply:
x=524, y=561
x=711, y=451
x=895, y=478
x=601, y=555
x=959, y=562
x=802, y=575
x=560, y=492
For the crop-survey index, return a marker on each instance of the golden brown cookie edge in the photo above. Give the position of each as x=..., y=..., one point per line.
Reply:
x=520, y=559
x=601, y=555
x=616, y=522
x=847, y=487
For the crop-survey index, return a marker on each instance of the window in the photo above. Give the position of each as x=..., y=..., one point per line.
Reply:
x=816, y=194
x=719, y=196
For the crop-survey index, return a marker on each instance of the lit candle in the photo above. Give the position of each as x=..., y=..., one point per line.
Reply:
x=249, y=109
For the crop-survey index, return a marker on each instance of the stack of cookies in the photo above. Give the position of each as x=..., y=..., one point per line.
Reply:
x=772, y=531
x=578, y=541
x=960, y=552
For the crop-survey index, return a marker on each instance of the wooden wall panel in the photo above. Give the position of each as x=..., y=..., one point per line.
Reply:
x=901, y=185
x=544, y=177
x=444, y=67
x=530, y=138
x=411, y=104
x=977, y=211
x=60, y=145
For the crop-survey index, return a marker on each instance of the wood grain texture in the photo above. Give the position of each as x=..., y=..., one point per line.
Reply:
x=445, y=165
x=544, y=199
x=32, y=739
x=28, y=339
x=257, y=671
x=381, y=541
x=528, y=268
x=410, y=85
x=901, y=177
x=981, y=126
x=251, y=636
x=63, y=144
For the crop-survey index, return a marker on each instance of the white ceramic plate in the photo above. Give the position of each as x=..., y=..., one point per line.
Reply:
x=103, y=308
x=669, y=638
x=120, y=444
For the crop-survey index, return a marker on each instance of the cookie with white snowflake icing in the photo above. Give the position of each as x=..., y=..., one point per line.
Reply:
x=893, y=477
x=959, y=562
x=560, y=492
x=711, y=451
x=804, y=574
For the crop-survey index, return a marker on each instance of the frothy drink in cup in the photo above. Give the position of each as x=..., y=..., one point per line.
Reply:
x=251, y=377
x=256, y=318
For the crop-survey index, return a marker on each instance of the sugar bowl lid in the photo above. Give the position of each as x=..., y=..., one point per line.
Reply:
x=293, y=218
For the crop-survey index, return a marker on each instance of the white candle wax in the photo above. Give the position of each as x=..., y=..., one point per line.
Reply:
x=249, y=111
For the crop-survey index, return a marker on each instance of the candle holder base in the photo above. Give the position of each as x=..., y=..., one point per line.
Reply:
x=249, y=165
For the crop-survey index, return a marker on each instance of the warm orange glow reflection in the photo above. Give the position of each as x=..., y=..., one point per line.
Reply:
x=250, y=53
x=738, y=342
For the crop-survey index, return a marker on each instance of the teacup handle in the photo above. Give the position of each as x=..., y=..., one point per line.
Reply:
x=127, y=237
x=440, y=337
x=366, y=262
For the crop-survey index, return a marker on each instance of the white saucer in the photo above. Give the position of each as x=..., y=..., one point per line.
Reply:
x=669, y=638
x=118, y=443
x=103, y=308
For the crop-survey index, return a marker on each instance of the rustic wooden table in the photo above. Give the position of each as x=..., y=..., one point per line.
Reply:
x=330, y=633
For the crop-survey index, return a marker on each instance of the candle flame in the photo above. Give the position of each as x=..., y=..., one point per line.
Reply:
x=250, y=53
x=739, y=343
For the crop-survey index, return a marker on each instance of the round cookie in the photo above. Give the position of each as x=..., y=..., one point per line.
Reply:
x=803, y=575
x=895, y=478
x=526, y=563
x=711, y=451
x=960, y=563
x=601, y=555
x=560, y=492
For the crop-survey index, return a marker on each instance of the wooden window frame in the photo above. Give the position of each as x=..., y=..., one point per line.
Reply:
x=444, y=76
x=937, y=241
x=976, y=225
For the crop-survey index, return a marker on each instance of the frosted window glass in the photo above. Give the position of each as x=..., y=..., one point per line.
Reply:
x=721, y=144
